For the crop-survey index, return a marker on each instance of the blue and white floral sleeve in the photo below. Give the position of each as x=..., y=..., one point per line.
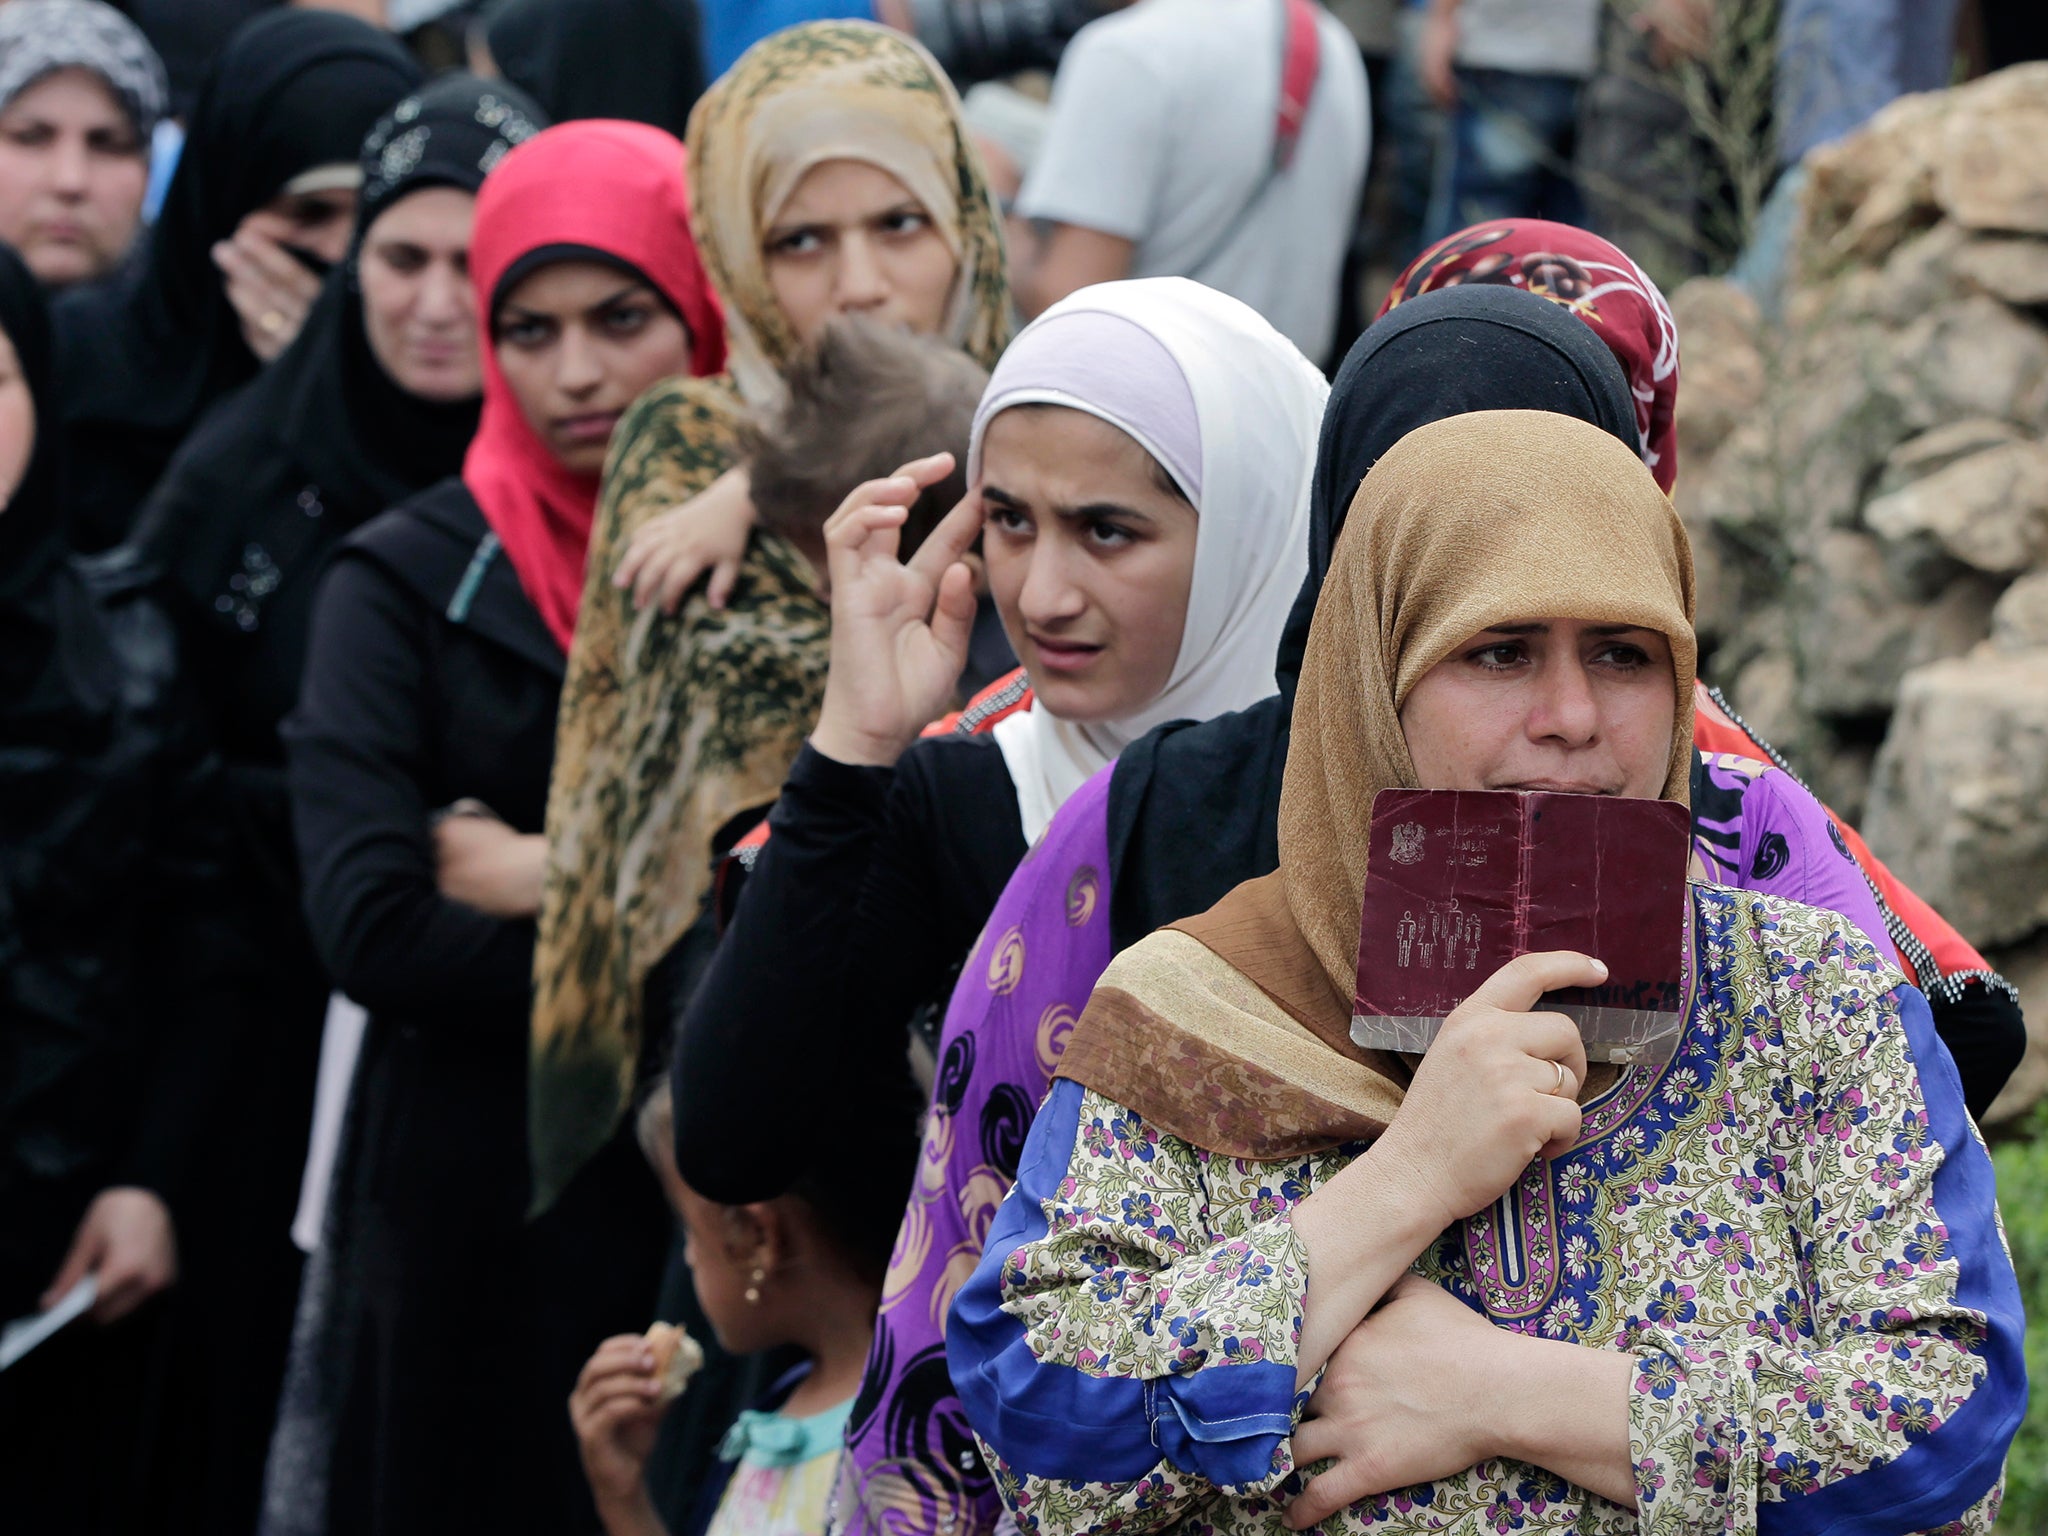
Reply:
x=1895, y=1414
x=1123, y=1360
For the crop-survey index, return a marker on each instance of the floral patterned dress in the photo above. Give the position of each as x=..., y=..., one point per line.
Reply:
x=1791, y=1227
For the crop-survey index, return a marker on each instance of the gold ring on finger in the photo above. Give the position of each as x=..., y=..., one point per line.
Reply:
x=1557, y=1088
x=272, y=322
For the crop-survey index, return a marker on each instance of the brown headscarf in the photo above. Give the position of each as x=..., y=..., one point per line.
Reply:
x=1211, y=1029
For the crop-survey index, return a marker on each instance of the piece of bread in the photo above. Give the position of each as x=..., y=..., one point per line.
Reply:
x=677, y=1357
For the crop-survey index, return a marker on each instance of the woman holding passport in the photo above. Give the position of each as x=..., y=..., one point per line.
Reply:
x=1256, y=1277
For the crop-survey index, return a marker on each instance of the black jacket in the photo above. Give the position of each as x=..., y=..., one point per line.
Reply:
x=431, y=678
x=412, y=699
x=859, y=912
x=117, y=945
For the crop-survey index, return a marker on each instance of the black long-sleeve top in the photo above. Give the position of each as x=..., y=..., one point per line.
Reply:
x=403, y=710
x=860, y=909
x=431, y=678
x=120, y=952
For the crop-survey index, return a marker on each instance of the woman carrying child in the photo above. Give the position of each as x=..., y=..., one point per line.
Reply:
x=832, y=176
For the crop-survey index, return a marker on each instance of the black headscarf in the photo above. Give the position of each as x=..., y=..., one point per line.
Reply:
x=366, y=442
x=641, y=60
x=189, y=37
x=325, y=439
x=1194, y=808
x=140, y=358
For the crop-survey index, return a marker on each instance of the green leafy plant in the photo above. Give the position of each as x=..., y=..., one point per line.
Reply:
x=2021, y=1157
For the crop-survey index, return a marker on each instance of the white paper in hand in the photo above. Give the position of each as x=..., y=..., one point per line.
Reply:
x=341, y=1047
x=25, y=1333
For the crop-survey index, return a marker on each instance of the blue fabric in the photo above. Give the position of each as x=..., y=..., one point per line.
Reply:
x=762, y=1439
x=1839, y=61
x=1223, y=1424
x=165, y=146
x=1508, y=151
x=1942, y=1476
x=731, y=27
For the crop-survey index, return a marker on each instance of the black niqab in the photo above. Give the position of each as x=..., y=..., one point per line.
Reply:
x=141, y=357
x=1194, y=808
x=641, y=60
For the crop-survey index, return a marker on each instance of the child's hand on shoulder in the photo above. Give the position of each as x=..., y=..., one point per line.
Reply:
x=616, y=1410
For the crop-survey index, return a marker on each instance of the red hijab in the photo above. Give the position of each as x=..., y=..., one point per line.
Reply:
x=1594, y=280
x=612, y=188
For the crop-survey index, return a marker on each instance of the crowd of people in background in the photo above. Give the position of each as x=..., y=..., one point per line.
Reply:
x=723, y=663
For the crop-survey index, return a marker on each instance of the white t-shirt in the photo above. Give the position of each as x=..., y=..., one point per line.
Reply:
x=1530, y=37
x=1162, y=133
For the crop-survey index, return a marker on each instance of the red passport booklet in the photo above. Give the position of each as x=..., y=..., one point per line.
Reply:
x=1459, y=882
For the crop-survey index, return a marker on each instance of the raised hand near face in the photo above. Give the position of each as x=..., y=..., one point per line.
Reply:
x=899, y=628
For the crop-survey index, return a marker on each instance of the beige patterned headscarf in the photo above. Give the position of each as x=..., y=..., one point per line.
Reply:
x=672, y=727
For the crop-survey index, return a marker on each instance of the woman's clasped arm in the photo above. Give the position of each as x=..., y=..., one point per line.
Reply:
x=1494, y=1093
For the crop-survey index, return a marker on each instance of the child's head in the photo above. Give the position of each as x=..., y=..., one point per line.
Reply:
x=867, y=398
x=759, y=1269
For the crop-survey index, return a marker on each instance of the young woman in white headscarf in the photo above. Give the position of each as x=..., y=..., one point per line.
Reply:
x=1138, y=474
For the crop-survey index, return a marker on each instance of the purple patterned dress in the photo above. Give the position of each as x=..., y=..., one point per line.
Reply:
x=1756, y=828
x=912, y=1467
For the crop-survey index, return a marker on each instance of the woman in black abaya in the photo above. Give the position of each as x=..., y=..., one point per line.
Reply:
x=429, y=1387
x=375, y=401
x=262, y=198
x=111, y=964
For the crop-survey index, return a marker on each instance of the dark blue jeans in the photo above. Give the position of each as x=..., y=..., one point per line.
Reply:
x=1507, y=152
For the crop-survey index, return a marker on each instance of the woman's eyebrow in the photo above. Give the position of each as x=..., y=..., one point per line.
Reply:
x=1544, y=629
x=1091, y=511
x=782, y=231
x=1087, y=512
x=630, y=291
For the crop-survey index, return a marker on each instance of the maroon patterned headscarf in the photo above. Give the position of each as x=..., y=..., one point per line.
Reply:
x=1594, y=280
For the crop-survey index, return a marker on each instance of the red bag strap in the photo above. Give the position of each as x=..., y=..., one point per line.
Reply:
x=1301, y=60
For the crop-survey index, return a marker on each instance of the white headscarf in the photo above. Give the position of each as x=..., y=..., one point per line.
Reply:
x=1237, y=431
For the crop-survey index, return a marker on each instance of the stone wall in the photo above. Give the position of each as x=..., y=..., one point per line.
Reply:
x=1866, y=481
